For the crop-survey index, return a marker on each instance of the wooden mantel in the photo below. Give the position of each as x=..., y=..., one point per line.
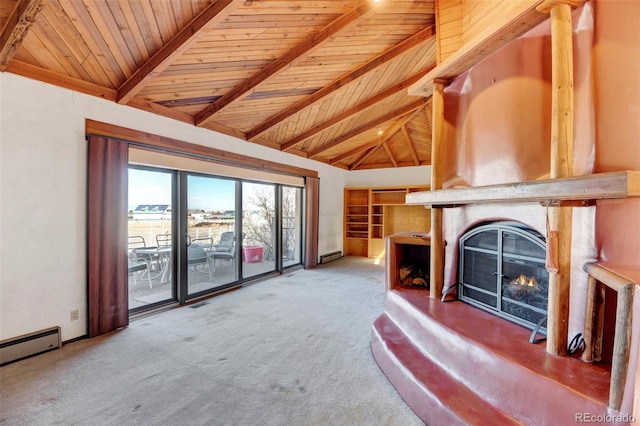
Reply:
x=596, y=186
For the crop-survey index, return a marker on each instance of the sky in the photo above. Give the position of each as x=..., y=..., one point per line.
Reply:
x=206, y=193
x=210, y=193
x=147, y=187
x=154, y=187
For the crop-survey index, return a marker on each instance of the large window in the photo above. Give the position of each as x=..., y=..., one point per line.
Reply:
x=189, y=235
x=211, y=225
x=165, y=265
x=149, y=242
x=259, y=222
x=291, y=225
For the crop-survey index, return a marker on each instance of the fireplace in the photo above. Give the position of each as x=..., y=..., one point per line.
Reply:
x=407, y=251
x=502, y=270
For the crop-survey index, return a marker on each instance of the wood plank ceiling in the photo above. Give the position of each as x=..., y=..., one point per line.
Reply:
x=325, y=80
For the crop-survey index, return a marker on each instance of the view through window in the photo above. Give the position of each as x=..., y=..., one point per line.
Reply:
x=150, y=233
x=211, y=226
x=199, y=224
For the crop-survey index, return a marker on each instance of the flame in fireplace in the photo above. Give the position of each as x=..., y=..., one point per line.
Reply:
x=529, y=283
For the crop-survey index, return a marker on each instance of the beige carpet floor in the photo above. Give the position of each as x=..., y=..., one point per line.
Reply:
x=292, y=350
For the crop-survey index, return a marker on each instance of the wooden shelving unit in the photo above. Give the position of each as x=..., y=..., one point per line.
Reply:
x=356, y=222
x=373, y=213
x=388, y=196
x=377, y=221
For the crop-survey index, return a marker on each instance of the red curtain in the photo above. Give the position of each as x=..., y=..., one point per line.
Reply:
x=106, y=234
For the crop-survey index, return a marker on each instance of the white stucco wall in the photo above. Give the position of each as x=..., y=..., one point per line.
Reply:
x=43, y=196
x=404, y=176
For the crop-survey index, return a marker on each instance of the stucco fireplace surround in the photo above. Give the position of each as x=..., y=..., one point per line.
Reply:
x=470, y=352
x=513, y=139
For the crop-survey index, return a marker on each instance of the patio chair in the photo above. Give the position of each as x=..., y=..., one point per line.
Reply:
x=205, y=243
x=138, y=245
x=163, y=240
x=226, y=247
x=136, y=241
x=149, y=254
x=198, y=257
x=136, y=265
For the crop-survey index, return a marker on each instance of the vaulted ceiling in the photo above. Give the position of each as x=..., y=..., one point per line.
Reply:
x=326, y=80
x=347, y=83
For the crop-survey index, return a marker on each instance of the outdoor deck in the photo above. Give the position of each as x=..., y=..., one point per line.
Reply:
x=141, y=295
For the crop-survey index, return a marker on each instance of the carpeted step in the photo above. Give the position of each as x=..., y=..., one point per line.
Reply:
x=435, y=396
x=486, y=356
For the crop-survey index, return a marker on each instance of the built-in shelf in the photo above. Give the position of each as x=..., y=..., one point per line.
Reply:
x=388, y=196
x=597, y=186
x=373, y=213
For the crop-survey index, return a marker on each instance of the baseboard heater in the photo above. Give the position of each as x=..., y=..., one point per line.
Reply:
x=326, y=258
x=30, y=344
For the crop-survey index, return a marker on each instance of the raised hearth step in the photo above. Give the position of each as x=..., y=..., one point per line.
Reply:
x=435, y=397
x=485, y=355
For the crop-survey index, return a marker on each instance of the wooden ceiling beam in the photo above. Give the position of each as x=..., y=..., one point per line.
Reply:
x=428, y=110
x=16, y=28
x=363, y=157
x=162, y=110
x=381, y=59
x=368, y=126
x=60, y=80
x=183, y=40
x=287, y=60
x=385, y=145
x=412, y=149
x=356, y=109
x=400, y=124
x=376, y=142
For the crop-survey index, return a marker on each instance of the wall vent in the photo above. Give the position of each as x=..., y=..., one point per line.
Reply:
x=29, y=344
x=326, y=258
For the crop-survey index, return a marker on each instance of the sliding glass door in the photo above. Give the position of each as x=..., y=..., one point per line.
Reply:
x=190, y=234
x=150, y=228
x=291, y=211
x=259, y=224
x=211, y=233
x=139, y=197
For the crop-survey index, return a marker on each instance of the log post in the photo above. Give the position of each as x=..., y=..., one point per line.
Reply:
x=621, y=346
x=594, y=321
x=623, y=329
x=559, y=218
x=436, y=268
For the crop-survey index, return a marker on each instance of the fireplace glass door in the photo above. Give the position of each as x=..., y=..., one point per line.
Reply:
x=502, y=270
